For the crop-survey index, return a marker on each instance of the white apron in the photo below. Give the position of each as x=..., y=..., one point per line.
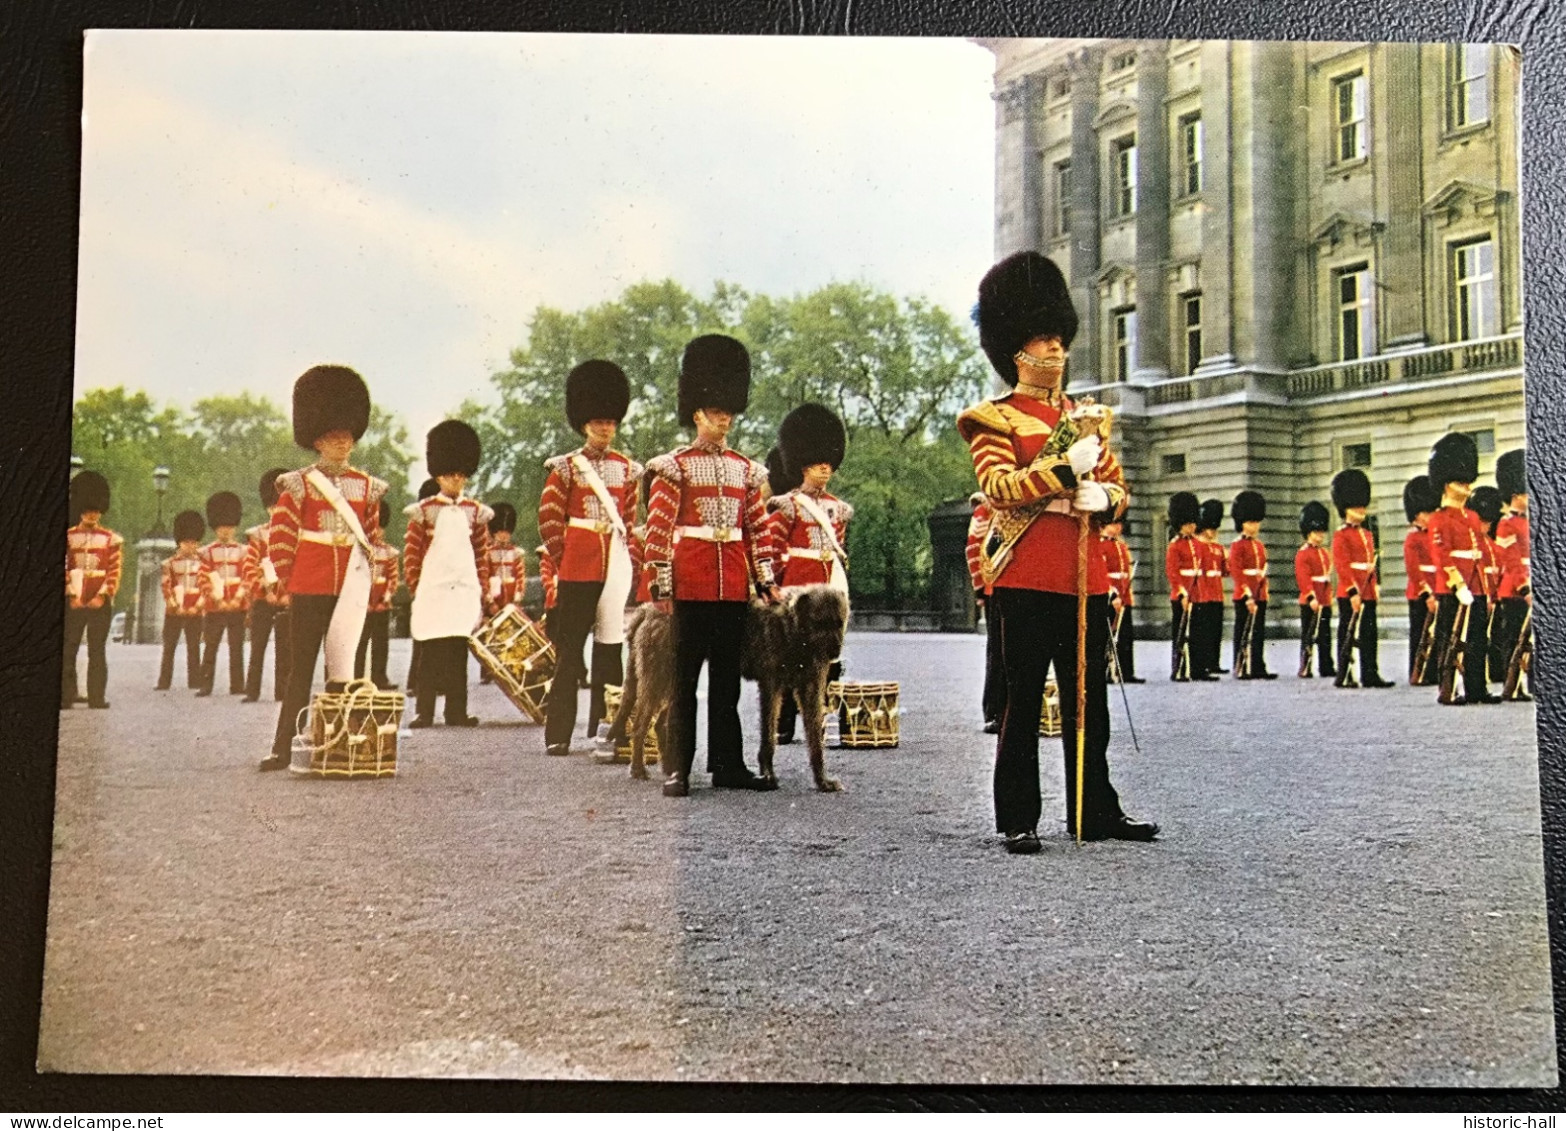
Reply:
x=609, y=628
x=449, y=601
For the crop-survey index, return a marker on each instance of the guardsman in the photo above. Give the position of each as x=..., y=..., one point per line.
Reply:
x=1248, y=573
x=585, y=514
x=1313, y=575
x=507, y=567
x=228, y=598
x=1209, y=588
x=1487, y=504
x=1515, y=598
x=184, y=597
x=1419, y=502
x=268, y=600
x=1117, y=559
x=427, y=490
x=1049, y=476
x=808, y=526
x=1359, y=587
x=1457, y=545
x=375, y=640
x=93, y=560
x=448, y=571
x=993, y=701
x=707, y=551
x=319, y=540
x=1184, y=561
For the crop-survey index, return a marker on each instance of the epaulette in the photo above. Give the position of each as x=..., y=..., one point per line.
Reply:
x=667, y=467
x=376, y=489
x=291, y=483
x=986, y=416
x=755, y=473
x=845, y=510
x=559, y=464
x=486, y=513
x=636, y=469
x=784, y=505
x=114, y=538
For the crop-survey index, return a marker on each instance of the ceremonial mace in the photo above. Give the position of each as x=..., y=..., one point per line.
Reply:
x=1096, y=419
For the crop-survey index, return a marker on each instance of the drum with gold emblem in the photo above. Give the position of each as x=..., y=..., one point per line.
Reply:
x=866, y=714
x=350, y=733
x=517, y=655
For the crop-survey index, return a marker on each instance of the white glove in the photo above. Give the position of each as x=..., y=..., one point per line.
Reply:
x=1464, y=596
x=1091, y=497
x=1084, y=455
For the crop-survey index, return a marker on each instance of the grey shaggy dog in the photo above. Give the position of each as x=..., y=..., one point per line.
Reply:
x=788, y=649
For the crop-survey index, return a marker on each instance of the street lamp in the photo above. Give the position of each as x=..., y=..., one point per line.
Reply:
x=77, y=463
x=160, y=484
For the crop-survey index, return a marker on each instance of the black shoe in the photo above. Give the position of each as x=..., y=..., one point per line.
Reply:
x=420, y=723
x=1221, y=671
x=1378, y=682
x=558, y=749
x=275, y=762
x=155, y=687
x=1327, y=673
x=204, y=693
x=463, y=721
x=1123, y=829
x=1266, y=675
x=251, y=699
x=385, y=686
x=991, y=726
x=1205, y=679
x=676, y=785
x=1025, y=843
x=103, y=704
x=1485, y=698
x=1133, y=679
x=742, y=778
x=785, y=738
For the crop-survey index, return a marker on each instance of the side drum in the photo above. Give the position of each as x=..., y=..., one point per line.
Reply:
x=351, y=734
x=517, y=655
x=867, y=714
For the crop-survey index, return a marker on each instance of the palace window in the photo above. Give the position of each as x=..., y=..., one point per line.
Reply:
x=1124, y=61
x=1062, y=198
x=1123, y=174
x=1355, y=455
x=1349, y=101
x=1191, y=154
x=1173, y=464
x=1122, y=340
x=1475, y=306
x=1191, y=314
x=1060, y=88
x=1353, y=288
x=1469, y=94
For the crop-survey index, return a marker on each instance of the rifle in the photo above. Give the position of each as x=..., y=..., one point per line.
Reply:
x=1420, y=673
x=1348, y=649
x=1308, y=647
x=1242, y=662
x=1454, y=656
x=1182, y=670
x=1522, y=660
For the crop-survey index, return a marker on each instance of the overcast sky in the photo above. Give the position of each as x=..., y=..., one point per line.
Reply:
x=257, y=202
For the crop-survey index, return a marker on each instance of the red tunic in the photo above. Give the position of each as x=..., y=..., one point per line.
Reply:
x=98, y=552
x=383, y=575
x=1183, y=567
x=1456, y=534
x=1313, y=573
x=976, y=525
x=1248, y=568
x=638, y=550
x=571, y=520
x=308, y=542
x=255, y=553
x=223, y=572
x=421, y=530
x=507, y=577
x=546, y=576
x=1511, y=535
x=1354, y=557
x=183, y=584
x=1490, y=565
x=796, y=542
x=706, y=525
x=1209, y=586
x=1117, y=564
x=1007, y=438
x=1418, y=563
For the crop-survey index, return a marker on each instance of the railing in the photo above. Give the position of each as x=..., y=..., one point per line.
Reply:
x=1433, y=362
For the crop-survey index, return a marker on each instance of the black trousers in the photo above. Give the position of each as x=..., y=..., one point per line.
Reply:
x=1326, y=662
x=214, y=625
x=1125, y=643
x=576, y=608
x=1039, y=631
x=309, y=616
x=412, y=682
x=443, y=670
x=1418, y=618
x=1369, y=660
x=710, y=633
x=94, y=623
x=608, y=669
x=1182, y=616
x=1475, y=645
x=788, y=713
x=994, y=671
x=375, y=639
x=1505, y=627
x=1209, y=614
x=176, y=625
x=264, y=617
x=1258, y=634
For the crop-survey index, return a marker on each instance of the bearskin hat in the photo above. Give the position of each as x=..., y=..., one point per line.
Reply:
x=1211, y=516
x=383, y=516
x=714, y=373
x=506, y=515
x=1486, y=503
x=596, y=390
x=1511, y=474
x=811, y=434
x=428, y=489
x=1183, y=510
x=778, y=478
x=328, y=398
x=1419, y=497
x=188, y=527
x=224, y=509
x=268, y=486
x=1249, y=506
x=1350, y=489
x=1454, y=459
x=1022, y=297
x=1314, y=516
x=451, y=448
x=89, y=492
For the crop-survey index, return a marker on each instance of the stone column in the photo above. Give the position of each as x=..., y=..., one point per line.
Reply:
x=1217, y=214
x=1085, y=366
x=1273, y=148
x=1018, y=188
x=1401, y=268
x=1152, y=213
